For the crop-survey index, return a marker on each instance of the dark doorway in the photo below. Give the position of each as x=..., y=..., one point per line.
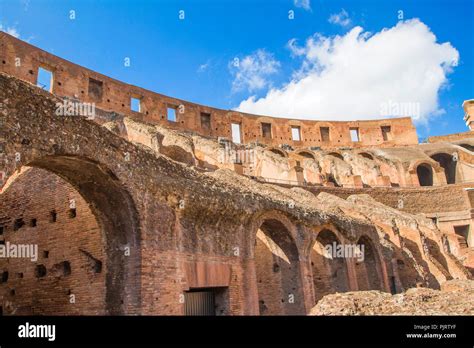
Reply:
x=206, y=301
x=463, y=235
x=446, y=161
x=425, y=175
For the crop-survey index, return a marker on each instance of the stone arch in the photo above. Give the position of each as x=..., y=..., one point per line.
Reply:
x=468, y=147
x=446, y=162
x=336, y=154
x=115, y=212
x=277, y=267
x=369, y=271
x=330, y=272
x=306, y=154
x=366, y=155
x=278, y=151
x=425, y=174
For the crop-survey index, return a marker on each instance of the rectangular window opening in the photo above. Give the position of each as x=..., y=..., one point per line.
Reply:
x=171, y=114
x=354, y=134
x=386, y=133
x=296, y=133
x=267, y=130
x=45, y=79
x=205, y=121
x=236, y=134
x=324, y=134
x=135, y=104
x=95, y=89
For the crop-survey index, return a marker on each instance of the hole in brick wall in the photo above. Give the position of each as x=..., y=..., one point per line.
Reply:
x=33, y=223
x=4, y=277
x=4, y=62
x=19, y=223
x=59, y=83
x=40, y=271
x=276, y=267
x=108, y=100
x=2, y=242
x=45, y=254
x=95, y=264
x=72, y=213
x=12, y=292
x=31, y=72
x=53, y=216
x=64, y=268
x=1, y=229
x=97, y=268
x=19, y=275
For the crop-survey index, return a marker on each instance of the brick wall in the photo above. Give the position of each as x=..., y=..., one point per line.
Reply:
x=19, y=59
x=70, y=249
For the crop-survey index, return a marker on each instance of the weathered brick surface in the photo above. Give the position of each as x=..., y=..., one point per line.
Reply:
x=72, y=81
x=76, y=240
x=167, y=228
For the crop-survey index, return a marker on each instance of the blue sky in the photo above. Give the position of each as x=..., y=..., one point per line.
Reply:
x=193, y=58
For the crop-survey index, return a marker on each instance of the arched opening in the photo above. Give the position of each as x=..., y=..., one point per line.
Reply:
x=328, y=265
x=337, y=155
x=448, y=164
x=101, y=204
x=366, y=155
x=306, y=154
x=278, y=152
x=368, y=270
x=467, y=147
x=277, y=270
x=425, y=174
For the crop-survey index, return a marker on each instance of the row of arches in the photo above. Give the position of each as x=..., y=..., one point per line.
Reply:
x=279, y=268
x=447, y=162
x=424, y=170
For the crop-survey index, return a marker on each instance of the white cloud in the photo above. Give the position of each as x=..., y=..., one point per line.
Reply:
x=10, y=30
x=251, y=72
x=341, y=18
x=363, y=76
x=305, y=4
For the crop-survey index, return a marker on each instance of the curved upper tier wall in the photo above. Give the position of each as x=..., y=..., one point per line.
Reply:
x=23, y=60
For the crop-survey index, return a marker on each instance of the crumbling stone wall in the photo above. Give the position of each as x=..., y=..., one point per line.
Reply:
x=169, y=228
